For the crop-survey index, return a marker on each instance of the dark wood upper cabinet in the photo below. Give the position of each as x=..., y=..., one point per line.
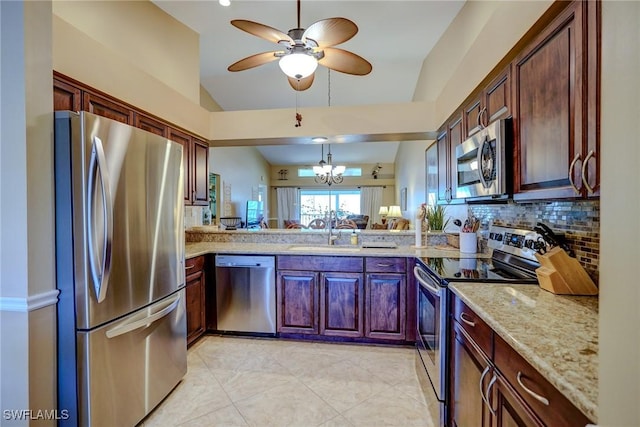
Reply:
x=149, y=124
x=200, y=176
x=102, y=106
x=184, y=140
x=449, y=137
x=66, y=96
x=549, y=83
x=69, y=94
x=556, y=120
x=493, y=102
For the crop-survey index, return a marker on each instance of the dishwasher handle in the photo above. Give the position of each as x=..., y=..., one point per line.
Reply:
x=245, y=261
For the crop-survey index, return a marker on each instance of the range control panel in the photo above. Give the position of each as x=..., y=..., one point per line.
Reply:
x=520, y=242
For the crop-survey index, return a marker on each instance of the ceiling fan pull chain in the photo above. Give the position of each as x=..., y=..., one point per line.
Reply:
x=329, y=86
x=298, y=115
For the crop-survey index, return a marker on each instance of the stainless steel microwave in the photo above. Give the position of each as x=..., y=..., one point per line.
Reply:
x=481, y=165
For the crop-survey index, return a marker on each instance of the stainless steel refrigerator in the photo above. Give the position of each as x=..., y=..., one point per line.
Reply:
x=120, y=269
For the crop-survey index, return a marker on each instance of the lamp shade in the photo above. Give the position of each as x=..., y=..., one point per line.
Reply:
x=383, y=210
x=298, y=65
x=394, y=212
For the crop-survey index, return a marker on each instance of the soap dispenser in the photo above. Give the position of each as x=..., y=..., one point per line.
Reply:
x=354, y=238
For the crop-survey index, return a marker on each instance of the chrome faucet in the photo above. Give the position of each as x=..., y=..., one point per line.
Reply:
x=332, y=237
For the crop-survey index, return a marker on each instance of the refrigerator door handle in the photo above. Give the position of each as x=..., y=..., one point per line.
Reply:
x=124, y=328
x=98, y=164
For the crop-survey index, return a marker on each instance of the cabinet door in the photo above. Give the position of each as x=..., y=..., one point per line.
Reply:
x=145, y=122
x=297, y=297
x=195, y=306
x=510, y=410
x=469, y=374
x=497, y=98
x=456, y=137
x=386, y=306
x=185, y=141
x=105, y=107
x=548, y=111
x=66, y=96
x=200, y=178
x=341, y=304
x=472, y=116
x=444, y=168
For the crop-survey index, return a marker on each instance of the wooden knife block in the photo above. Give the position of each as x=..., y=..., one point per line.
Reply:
x=560, y=274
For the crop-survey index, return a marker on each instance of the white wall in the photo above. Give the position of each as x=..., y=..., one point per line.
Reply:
x=91, y=58
x=143, y=34
x=619, y=391
x=27, y=273
x=243, y=168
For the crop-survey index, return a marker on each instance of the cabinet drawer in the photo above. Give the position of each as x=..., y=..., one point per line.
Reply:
x=546, y=401
x=320, y=263
x=385, y=265
x=477, y=329
x=193, y=265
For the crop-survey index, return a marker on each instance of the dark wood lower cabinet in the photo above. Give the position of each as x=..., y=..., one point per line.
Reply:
x=491, y=385
x=297, y=302
x=195, y=298
x=341, y=304
x=386, y=306
x=510, y=410
x=469, y=371
x=343, y=298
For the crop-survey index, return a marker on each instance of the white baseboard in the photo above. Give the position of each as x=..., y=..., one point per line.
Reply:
x=30, y=303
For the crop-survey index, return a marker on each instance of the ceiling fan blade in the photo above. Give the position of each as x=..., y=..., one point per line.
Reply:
x=262, y=31
x=345, y=62
x=253, y=61
x=330, y=32
x=302, y=84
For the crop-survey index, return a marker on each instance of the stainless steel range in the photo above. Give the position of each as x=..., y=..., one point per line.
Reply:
x=512, y=261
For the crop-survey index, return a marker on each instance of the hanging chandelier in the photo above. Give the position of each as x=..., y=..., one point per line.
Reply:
x=326, y=173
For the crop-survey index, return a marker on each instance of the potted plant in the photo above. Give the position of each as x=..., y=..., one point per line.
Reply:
x=435, y=217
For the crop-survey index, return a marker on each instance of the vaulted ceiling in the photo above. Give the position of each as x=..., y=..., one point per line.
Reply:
x=394, y=36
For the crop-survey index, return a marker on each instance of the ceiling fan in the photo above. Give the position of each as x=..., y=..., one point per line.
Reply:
x=305, y=49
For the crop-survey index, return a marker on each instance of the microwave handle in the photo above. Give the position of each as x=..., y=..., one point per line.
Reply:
x=485, y=184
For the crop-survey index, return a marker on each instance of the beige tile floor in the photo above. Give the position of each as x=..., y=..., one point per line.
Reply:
x=266, y=382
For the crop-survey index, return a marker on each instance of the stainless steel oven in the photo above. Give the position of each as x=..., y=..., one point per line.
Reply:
x=431, y=341
x=481, y=165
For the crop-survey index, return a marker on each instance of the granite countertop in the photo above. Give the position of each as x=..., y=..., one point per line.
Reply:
x=557, y=335
x=203, y=248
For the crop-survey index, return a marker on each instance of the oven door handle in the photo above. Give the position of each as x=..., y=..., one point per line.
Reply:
x=424, y=284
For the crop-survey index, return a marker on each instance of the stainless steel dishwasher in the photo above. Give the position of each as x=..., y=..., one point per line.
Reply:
x=246, y=294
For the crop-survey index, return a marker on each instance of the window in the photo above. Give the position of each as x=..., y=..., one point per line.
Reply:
x=317, y=203
x=308, y=172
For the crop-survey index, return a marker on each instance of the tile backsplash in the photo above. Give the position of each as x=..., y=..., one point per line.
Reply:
x=579, y=221
x=192, y=216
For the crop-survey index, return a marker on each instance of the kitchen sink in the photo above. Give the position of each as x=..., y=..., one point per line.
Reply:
x=324, y=248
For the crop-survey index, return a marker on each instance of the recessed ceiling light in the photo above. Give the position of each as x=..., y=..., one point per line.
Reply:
x=320, y=139
x=224, y=2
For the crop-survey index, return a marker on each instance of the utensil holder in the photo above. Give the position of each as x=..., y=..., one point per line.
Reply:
x=468, y=243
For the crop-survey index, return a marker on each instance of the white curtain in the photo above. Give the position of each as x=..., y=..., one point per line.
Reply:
x=287, y=198
x=370, y=201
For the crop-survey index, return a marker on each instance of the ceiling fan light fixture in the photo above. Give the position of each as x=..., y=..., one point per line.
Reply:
x=298, y=65
x=224, y=2
x=320, y=139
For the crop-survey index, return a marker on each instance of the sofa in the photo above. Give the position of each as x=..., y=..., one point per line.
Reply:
x=360, y=220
